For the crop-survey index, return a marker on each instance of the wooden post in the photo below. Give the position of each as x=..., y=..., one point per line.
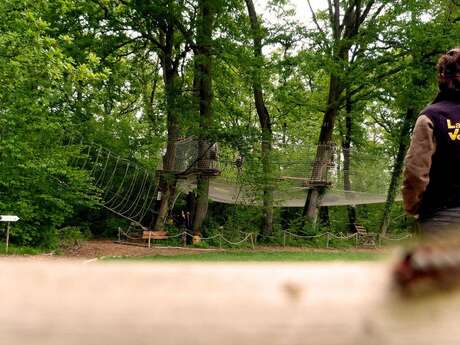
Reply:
x=184, y=238
x=356, y=240
x=327, y=240
x=7, y=236
x=284, y=238
x=150, y=236
x=252, y=241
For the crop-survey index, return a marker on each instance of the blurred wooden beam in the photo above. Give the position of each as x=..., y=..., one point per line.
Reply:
x=160, y=303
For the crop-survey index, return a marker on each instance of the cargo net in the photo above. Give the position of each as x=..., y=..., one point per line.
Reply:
x=345, y=176
x=196, y=156
x=310, y=172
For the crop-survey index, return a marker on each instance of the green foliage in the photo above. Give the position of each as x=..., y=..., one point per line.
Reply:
x=36, y=182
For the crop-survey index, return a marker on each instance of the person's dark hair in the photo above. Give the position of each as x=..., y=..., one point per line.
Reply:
x=449, y=70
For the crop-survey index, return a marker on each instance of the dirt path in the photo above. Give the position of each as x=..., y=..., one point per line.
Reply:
x=93, y=249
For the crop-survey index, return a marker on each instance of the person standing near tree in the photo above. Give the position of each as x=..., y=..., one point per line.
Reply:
x=431, y=185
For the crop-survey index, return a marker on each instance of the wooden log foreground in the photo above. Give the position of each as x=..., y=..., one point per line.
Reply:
x=187, y=304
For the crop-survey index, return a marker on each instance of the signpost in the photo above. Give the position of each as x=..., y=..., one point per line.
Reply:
x=8, y=219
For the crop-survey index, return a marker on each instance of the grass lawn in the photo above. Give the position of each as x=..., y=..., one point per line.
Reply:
x=260, y=256
x=17, y=250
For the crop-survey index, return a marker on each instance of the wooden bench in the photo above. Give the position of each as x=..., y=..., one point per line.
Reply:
x=154, y=235
x=365, y=238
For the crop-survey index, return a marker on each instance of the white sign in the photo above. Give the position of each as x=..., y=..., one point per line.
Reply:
x=9, y=218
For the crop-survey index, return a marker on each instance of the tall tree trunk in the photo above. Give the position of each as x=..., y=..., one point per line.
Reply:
x=168, y=180
x=172, y=91
x=264, y=119
x=323, y=152
x=204, y=69
x=346, y=146
x=404, y=140
x=345, y=28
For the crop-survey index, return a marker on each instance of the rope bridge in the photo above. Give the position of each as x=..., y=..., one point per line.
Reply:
x=127, y=188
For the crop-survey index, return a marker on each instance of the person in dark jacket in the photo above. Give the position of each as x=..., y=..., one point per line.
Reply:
x=431, y=185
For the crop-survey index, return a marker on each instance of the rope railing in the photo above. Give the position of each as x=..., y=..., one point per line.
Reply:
x=250, y=237
x=356, y=237
x=402, y=238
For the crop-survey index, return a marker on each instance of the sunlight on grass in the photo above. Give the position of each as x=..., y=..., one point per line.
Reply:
x=247, y=256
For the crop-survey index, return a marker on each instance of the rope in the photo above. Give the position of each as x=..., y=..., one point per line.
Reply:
x=304, y=236
x=97, y=161
x=398, y=238
x=146, y=199
x=138, y=197
x=121, y=215
x=130, y=190
x=87, y=157
x=109, y=183
x=101, y=177
x=120, y=186
x=185, y=233
x=236, y=243
x=249, y=235
x=205, y=238
x=342, y=237
x=152, y=201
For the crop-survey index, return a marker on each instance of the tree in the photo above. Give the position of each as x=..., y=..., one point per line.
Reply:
x=204, y=70
x=264, y=119
x=163, y=28
x=348, y=23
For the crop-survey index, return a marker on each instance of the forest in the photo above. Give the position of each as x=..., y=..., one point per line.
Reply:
x=218, y=116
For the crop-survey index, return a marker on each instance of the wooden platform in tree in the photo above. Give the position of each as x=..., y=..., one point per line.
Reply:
x=204, y=171
x=305, y=182
x=191, y=172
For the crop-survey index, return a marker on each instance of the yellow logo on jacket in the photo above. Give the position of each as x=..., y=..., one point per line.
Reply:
x=455, y=135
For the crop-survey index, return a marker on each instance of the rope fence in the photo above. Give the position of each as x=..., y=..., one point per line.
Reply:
x=370, y=239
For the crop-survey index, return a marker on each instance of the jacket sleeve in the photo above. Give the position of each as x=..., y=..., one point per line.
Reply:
x=418, y=164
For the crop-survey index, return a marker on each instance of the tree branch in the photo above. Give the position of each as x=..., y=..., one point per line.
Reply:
x=315, y=19
x=366, y=11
